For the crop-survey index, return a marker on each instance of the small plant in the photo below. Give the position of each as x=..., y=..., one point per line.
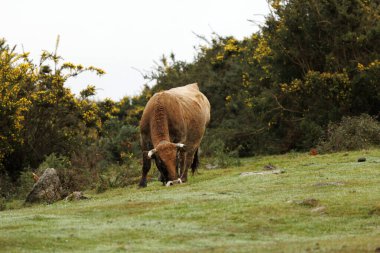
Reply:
x=352, y=133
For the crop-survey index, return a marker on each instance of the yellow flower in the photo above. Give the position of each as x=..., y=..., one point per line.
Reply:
x=360, y=67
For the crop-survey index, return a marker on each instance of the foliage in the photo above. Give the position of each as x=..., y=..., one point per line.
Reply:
x=219, y=156
x=311, y=63
x=120, y=143
x=116, y=176
x=2, y=204
x=54, y=161
x=25, y=184
x=352, y=133
x=7, y=187
x=39, y=116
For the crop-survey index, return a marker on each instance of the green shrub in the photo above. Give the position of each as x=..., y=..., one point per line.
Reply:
x=352, y=133
x=25, y=184
x=7, y=188
x=120, y=142
x=3, y=205
x=55, y=161
x=218, y=155
x=311, y=133
x=116, y=176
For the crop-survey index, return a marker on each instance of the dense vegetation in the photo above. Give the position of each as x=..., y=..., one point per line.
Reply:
x=280, y=89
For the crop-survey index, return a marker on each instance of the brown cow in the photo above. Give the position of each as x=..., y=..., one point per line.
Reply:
x=171, y=130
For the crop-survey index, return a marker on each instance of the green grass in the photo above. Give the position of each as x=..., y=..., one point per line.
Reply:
x=218, y=211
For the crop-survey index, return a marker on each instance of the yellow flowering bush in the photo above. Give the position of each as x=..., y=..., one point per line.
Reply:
x=38, y=114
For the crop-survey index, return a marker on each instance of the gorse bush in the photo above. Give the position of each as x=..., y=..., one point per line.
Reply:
x=38, y=114
x=351, y=133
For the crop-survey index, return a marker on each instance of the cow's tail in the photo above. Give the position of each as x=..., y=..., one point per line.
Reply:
x=195, y=163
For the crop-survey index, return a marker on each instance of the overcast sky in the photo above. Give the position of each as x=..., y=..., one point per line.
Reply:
x=122, y=36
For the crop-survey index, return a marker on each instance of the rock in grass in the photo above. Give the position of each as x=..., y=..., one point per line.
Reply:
x=319, y=209
x=244, y=174
x=211, y=166
x=270, y=167
x=75, y=196
x=362, y=159
x=47, y=189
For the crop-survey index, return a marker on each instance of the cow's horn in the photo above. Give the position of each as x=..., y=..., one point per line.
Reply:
x=151, y=153
x=180, y=145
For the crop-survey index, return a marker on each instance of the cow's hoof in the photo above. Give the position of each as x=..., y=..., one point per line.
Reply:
x=169, y=183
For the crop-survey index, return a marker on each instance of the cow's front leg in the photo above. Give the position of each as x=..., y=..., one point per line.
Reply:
x=145, y=169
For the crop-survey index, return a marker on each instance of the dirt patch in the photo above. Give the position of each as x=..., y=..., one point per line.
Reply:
x=375, y=210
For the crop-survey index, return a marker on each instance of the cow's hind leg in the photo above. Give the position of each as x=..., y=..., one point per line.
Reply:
x=189, y=160
x=145, y=169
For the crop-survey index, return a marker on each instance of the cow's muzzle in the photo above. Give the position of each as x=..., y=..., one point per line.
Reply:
x=170, y=183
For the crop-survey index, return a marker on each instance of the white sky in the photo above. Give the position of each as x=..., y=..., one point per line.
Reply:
x=118, y=35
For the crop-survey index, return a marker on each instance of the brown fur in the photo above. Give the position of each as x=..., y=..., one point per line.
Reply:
x=178, y=115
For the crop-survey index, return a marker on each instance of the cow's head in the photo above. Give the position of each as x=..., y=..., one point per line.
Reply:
x=167, y=155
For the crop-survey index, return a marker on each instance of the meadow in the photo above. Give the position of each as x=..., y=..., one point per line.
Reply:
x=321, y=203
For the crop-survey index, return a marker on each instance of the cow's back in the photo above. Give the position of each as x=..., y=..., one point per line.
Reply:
x=187, y=112
x=193, y=103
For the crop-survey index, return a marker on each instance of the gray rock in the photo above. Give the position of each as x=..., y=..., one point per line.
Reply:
x=211, y=166
x=319, y=209
x=245, y=174
x=75, y=196
x=47, y=189
x=270, y=167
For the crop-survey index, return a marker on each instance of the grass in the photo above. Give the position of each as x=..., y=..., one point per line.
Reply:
x=218, y=211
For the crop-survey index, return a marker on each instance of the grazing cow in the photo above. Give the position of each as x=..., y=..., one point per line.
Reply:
x=171, y=130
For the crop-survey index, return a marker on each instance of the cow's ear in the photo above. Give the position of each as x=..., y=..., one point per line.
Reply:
x=151, y=153
x=181, y=146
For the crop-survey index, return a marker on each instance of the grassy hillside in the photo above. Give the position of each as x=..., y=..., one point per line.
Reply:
x=323, y=203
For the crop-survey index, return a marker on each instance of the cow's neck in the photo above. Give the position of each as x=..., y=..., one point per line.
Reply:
x=159, y=124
